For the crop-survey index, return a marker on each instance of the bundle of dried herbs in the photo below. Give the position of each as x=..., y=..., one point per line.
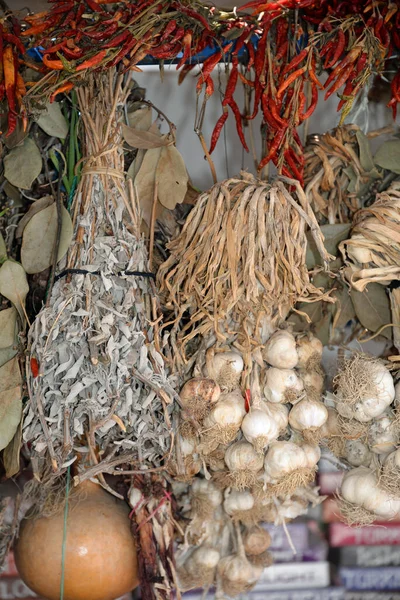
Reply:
x=238, y=266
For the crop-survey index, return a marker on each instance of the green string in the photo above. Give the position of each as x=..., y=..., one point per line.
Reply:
x=64, y=541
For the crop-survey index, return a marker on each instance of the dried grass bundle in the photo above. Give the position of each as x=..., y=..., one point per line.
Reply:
x=334, y=175
x=102, y=384
x=238, y=266
x=373, y=250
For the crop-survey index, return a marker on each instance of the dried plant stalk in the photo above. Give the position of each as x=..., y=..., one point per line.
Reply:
x=238, y=266
x=373, y=250
x=326, y=177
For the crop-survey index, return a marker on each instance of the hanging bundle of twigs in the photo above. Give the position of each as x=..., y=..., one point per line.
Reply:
x=238, y=266
x=101, y=383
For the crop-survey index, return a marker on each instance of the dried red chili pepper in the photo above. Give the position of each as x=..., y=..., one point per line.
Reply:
x=92, y=62
x=313, y=104
x=251, y=53
x=295, y=61
x=282, y=51
x=36, y=29
x=187, y=47
x=350, y=58
x=239, y=123
x=247, y=400
x=170, y=28
x=55, y=65
x=349, y=88
x=126, y=48
x=207, y=69
x=103, y=34
x=273, y=149
x=63, y=89
x=12, y=39
x=246, y=81
x=339, y=81
x=209, y=87
x=94, y=6
x=34, y=367
x=184, y=71
x=290, y=158
x=9, y=70
x=232, y=81
x=292, y=77
x=217, y=130
x=195, y=15
x=118, y=39
x=257, y=97
x=339, y=48
x=274, y=111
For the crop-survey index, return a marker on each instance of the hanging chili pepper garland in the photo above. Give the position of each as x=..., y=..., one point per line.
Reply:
x=286, y=45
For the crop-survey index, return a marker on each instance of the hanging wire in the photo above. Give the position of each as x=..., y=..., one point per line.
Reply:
x=64, y=540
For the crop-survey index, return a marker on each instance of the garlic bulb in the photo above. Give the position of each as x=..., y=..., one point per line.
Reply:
x=282, y=385
x=243, y=462
x=280, y=350
x=223, y=423
x=365, y=389
x=389, y=477
x=198, y=395
x=289, y=466
x=363, y=500
x=259, y=428
x=237, y=574
x=256, y=540
x=357, y=453
x=281, y=511
x=238, y=502
x=199, y=569
x=205, y=497
x=308, y=416
x=331, y=426
x=279, y=412
x=397, y=394
x=135, y=497
x=309, y=351
x=313, y=382
x=225, y=368
x=382, y=435
x=186, y=463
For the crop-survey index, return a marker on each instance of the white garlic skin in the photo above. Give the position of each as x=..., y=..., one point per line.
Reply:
x=313, y=379
x=234, y=570
x=241, y=456
x=382, y=436
x=200, y=389
x=135, y=497
x=357, y=253
x=308, y=348
x=279, y=412
x=186, y=445
x=280, y=350
x=203, y=487
x=229, y=410
x=279, y=381
x=238, y=501
x=357, y=453
x=258, y=424
x=308, y=414
x=283, y=458
x=393, y=459
x=360, y=486
x=224, y=367
x=370, y=407
x=331, y=426
x=203, y=557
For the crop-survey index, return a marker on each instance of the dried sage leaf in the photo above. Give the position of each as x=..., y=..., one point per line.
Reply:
x=141, y=119
x=10, y=414
x=388, y=156
x=53, y=122
x=34, y=208
x=8, y=322
x=143, y=139
x=372, y=308
x=39, y=237
x=3, y=249
x=333, y=234
x=14, y=285
x=145, y=182
x=23, y=164
x=172, y=178
x=11, y=454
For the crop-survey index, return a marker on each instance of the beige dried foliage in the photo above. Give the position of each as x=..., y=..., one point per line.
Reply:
x=355, y=515
x=238, y=266
x=375, y=235
x=355, y=378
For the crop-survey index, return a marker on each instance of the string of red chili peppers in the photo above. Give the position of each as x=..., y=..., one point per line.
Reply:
x=297, y=39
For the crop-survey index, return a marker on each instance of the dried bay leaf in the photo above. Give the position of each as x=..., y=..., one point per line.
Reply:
x=333, y=234
x=8, y=321
x=172, y=178
x=141, y=119
x=10, y=375
x=14, y=285
x=366, y=160
x=39, y=237
x=146, y=140
x=23, y=164
x=34, y=208
x=3, y=249
x=6, y=354
x=136, y=164
x=11, y=454
x=145, y=182
x=10, y=414
x=53, y=122
x=372, y=307
x=345, y=311
x=388, y=156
